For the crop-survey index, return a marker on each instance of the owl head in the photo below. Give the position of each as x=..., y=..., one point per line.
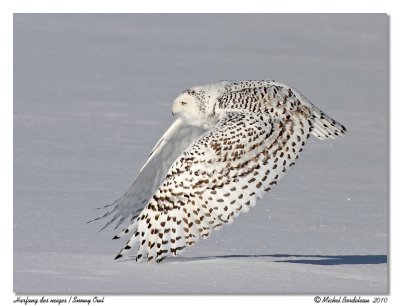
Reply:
x=190, y=107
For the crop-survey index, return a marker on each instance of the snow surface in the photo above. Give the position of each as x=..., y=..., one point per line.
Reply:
x=92, y=95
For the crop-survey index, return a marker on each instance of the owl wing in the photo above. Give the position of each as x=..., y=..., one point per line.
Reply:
x=174, y=141
x=218, y=176
x=279, y=100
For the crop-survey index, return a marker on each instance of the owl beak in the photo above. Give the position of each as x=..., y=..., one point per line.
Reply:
x=173, y=114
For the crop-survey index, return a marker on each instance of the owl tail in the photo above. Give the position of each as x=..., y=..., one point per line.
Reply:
x=324, y=127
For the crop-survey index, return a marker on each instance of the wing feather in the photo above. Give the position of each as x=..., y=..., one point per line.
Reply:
x=174, y=141
x=216, y=178
x=278, y=99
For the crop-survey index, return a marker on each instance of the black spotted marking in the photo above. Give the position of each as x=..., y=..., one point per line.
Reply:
x=118, y=256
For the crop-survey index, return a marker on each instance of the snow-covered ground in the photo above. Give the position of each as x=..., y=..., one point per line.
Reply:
x=93, y=93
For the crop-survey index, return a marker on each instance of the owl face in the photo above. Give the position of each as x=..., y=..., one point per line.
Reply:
x=187, y=106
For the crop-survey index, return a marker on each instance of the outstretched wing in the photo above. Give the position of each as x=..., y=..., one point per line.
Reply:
x=279, y=100
x=174, y=141
x=220, y=175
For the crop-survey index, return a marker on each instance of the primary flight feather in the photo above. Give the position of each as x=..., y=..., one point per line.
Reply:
x=231, y=143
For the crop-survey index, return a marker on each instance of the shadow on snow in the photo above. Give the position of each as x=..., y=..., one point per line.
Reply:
x=324, y=260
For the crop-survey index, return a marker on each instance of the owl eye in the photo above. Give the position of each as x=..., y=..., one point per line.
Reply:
x=183, y=103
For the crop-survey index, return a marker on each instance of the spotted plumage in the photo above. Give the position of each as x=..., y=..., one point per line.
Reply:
x=231, y=143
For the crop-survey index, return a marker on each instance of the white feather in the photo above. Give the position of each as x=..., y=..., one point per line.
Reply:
x=174, y=141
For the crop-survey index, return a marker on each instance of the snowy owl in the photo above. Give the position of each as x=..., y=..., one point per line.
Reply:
x=231, y=142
